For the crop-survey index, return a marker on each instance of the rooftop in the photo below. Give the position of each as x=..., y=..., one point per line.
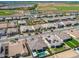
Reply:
x=3, y=25
x=63, y=35
x=18, y=47
x=53, y=40
x=73, y=32
x=36, y=43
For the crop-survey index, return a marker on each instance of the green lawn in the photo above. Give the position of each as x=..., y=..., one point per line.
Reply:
x=59, y=8
x=72, y=43
x=75, y=42
x=59, y=49
x=6, y=12
x=62, y=8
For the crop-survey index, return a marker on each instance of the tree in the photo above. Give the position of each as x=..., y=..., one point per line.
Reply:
x=33, y=8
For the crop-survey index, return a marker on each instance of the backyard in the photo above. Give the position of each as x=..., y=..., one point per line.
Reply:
x=72, y=43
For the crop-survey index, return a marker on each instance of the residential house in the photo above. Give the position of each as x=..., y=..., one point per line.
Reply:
x=16, y=48
x=62, y=35
x=38, y=47
x=73, y=32
x=2, y=32
x=12, y=25
x=12, y=31
x=2, y=51
x=22, y=22
x=3, y=25
x=26, y=28
x=53, y=40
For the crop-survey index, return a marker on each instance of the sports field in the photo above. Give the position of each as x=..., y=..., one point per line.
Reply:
x=72, y=43
x=6, y=12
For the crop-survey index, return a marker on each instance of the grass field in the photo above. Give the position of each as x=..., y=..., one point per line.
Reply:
x=72, y=43
x=6, y=12
x=62, y=8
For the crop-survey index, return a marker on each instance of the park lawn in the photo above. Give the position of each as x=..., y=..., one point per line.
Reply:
x=6, y=12
x=62, y=8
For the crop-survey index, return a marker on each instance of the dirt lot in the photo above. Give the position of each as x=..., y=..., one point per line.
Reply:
x=66, y=54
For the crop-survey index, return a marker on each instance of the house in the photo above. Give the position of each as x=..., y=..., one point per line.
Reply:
x=67, y=23
x=48, y=25
x=38, y=47
x=60, y=25
x=22, y=22
x=2, y=32
x=22, y=29
x=1, y=19
x=23, y=17
x=62, y=35
x=72, y=13
x=3, y=25
x=36, y=27
x=2, y=51
x=53, y=19
x=34, y=43
x=73, y=32
x=12, y=31
x=56, y=19
x=12, y=25
x=8, y=18
x=75, y=23
x=14, y=17
x=26, y=28
x=71, y=23
x=16, y=48
x=53, y=40
x=18, y=17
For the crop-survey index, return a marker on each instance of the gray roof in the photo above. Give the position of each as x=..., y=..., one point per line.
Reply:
x=55, y=41
x=36, y=43
x=10, y=30
x=62, y=35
